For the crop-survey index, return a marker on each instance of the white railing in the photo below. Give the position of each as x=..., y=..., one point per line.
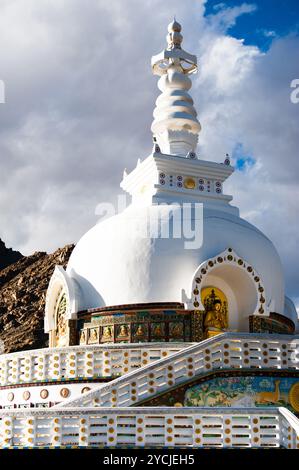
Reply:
x=289, y=424
x=83, y=362
x=154, y=427
x=226, y=351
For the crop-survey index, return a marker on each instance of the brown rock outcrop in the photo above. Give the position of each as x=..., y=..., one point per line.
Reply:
x=8, y=256
x=23, y=287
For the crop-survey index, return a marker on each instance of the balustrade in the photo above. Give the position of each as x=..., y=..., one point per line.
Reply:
x=163, y=427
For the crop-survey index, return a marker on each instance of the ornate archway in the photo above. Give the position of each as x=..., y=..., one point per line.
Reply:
x=238, y=281
x=61, y=309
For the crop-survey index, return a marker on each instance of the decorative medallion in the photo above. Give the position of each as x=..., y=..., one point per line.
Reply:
x=44, y=393
x=64, y=392
x=26, y=395
x=10, y=396
x=85, y=389
x=189, y=183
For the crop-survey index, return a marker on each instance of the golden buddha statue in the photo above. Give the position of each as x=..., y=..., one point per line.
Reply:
x=216, y=318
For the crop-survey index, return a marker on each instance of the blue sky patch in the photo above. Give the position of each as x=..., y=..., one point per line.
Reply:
x=242, y=160
x=268, y=20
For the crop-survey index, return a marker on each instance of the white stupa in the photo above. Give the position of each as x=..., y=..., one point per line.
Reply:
x=115, y=264
x=169, y=327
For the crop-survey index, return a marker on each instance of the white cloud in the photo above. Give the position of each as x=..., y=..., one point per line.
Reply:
x=80, y=97
x=225, y=17
x=268, y=33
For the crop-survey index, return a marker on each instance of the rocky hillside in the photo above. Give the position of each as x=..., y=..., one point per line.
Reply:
x=23, y=287
x=8, y=256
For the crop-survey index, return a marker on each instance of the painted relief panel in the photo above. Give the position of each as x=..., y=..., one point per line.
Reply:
x=245, y=392
x=61, y=322
x=158, y=331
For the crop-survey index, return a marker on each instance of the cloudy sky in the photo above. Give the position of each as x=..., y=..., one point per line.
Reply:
x=80, y=97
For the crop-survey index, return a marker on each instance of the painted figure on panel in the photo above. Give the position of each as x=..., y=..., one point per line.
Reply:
x=94, y=335
x=61, y=325
x=176, y=330
x=123, y=332
x=107, y=334
x=252, y=391
x=82, y=337
x=158, y=330
x=140, y=331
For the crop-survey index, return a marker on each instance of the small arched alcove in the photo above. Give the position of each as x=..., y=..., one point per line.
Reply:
x=61, y=306
x=238, y=284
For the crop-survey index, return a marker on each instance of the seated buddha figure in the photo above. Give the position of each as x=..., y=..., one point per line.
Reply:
x=140, y=332
x=123, y=332
x=215, y=320
x=107, y=334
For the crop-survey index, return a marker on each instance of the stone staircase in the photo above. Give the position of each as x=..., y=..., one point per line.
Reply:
x=112, y=415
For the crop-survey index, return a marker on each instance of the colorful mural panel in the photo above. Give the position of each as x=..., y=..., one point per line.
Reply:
x=245, y=392
x=142, y=326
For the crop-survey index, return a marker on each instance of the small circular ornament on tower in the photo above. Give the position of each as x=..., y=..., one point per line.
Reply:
x=189, y=183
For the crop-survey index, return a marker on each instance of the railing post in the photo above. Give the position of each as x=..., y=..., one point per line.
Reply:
x=29, y=432
x=227, y=431
x=111, y=430
x=29, y=368
x=6, y=431
x=84, y=432
x=56, y=430
x=197, y=431
x=107, y=364
x=254, y=431
x=140, y=431
x=71, y=365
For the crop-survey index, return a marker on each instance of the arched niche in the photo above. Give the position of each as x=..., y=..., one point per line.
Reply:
x=239, y=281
x=61, y=306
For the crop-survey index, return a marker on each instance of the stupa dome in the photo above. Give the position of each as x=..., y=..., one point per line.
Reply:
x=114, y=264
